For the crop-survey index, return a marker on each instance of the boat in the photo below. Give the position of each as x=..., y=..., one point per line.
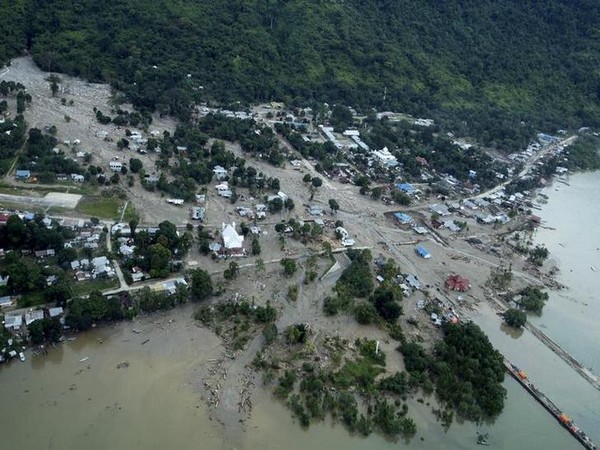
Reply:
x=593, y=268
x=84, y=359
x=22, y=356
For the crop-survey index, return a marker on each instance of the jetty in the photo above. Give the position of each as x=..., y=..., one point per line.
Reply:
x=549, y=406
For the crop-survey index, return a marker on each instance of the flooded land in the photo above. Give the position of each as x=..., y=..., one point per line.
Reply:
x=131, y=395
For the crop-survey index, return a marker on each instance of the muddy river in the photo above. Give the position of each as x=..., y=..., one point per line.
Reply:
x=109, y=389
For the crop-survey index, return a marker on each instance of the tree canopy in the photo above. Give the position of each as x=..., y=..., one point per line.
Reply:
x=485, y=66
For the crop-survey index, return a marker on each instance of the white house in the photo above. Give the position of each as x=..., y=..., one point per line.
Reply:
x=77, y=177
x=384, y=157
x=102, y=266
x=122, y=228
x=116, y=166
x=13, y=321
x=232, y=241
x=223, y=190
x=127, y=250
x=32, y=316
x=175, y=201
x=220, y=172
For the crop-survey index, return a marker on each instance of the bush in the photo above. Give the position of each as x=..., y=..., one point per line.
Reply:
x=270, y=333
x=514, y=318
x=365, y=313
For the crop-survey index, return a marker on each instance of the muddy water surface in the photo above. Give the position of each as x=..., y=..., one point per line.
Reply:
x=133, y=396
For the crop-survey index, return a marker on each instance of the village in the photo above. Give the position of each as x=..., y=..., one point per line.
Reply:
x=106, y=252
x=244, y=215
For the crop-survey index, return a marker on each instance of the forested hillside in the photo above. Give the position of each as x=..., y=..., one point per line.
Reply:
x=489, y=63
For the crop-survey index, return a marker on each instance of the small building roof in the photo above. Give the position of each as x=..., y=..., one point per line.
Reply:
x=13, y=321
x=32, y=316
x=231, y=239
x=403, y=218
x=406, y=187
x=23, y=173
x=458, y=283
x=413, y=281
x=55, y=312
x=422, y=252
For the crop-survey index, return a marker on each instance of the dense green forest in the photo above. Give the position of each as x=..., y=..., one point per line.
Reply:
x=477, y=67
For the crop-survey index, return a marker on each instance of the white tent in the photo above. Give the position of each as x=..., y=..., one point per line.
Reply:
x=231, y=239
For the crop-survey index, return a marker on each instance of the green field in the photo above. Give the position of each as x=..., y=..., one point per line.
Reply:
x=106, y=208
x=85, y=287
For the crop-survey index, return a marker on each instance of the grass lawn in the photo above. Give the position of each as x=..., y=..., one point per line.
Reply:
x=101, y=207
x=130, y=213
x=85, y=287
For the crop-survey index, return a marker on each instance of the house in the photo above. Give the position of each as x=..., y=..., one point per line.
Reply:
x=457, y=283
x=121, y=228
x=403, y=218
x=441, y=210
x=223, y=190
x=232, y=242
x=137, y=277
x=77, y=178
x=55, y=312
x=198, y=213
x=44, y=253
x=116, y=166
x=52, y=279
x=32, y=316
x=220, y=173
x=151, y=179
x=13, y=322
x=385, y=158
x=420, y=230
x=4, y=280
x=469, y=204
x=407, y=188
x=175, y=201
x=101, y=266
x=413, y=282
x=451, y=225
x=347, y=242
x=315, y=210
x=5, y=301
x=170, y=287
x=422, y=252
x=245, y=212
x=127, y=250
x=23, y=174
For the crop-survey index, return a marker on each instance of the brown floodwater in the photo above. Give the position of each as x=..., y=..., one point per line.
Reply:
x=152, y=401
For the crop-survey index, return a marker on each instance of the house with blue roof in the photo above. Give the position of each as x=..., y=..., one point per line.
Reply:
x=23, y=174
x=407, y=188
x=403, y=218
x=422, y=252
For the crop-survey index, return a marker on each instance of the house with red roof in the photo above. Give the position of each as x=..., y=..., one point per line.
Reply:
x=458, y=283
